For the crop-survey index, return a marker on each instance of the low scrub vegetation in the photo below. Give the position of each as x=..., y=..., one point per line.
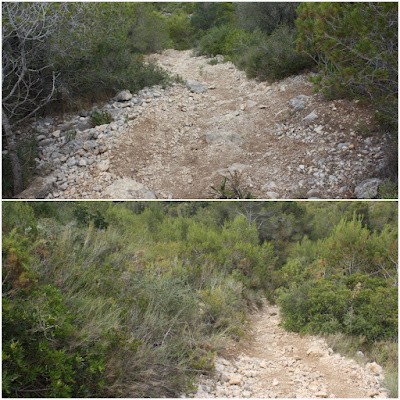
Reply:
x=134, y=299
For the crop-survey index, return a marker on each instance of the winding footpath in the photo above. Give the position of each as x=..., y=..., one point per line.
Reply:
x=273, y=363
x=279, y=139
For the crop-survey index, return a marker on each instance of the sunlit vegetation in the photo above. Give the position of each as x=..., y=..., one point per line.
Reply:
x=134, y=299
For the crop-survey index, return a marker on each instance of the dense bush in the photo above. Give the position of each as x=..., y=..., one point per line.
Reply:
x=207, y=15
x=266, y=16
x=213, y=41
x=353, y=304
x=180, y=31
x=356, y=47
x=337, y=284
x=274, y=57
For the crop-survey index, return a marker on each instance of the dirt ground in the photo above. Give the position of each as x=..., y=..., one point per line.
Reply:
x=273, y=363
x=276, y=154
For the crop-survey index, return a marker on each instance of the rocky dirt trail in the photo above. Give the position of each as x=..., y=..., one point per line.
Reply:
x=280, y=139
x=273, y=363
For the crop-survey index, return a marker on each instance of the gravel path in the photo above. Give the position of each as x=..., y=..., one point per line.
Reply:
x=274, y=363
x=279, y=140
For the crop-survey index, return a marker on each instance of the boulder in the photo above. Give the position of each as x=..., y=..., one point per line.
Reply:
x=38, y=189
x=196, y=87
x=297, y=103
x=124, y=95
x=235, y=380
x=128, y=188
x=71, y=147
x=104, y=165
x=368, y=189
x=310, y=117
x=375, y=368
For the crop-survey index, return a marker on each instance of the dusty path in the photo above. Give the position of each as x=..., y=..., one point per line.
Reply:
x=274, y=363
x=176, y=143
x=276, y=153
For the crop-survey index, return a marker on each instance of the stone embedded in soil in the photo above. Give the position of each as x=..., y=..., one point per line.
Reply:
x=196, y=87
x=368, y=189
x=128, y=189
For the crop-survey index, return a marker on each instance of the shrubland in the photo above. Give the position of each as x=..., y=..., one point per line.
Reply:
x=133, y=299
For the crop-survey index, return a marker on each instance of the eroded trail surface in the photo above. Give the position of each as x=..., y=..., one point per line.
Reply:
x=274, y=363
x=280, y=139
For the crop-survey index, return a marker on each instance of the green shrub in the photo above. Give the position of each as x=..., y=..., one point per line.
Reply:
x=355, y=45
x=100, y=118
x=37, y=327
x=180, y=31
x=353, y=305
x=207, y=15
x=266, y=16
x=213, y=41
x=274, y=57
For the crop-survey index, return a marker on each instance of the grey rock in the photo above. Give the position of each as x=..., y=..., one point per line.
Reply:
x=368, y=189
x=70, y=147
x=46, y=142
x=103, y=165
x=343, y=146
x=196, y=87
x=41, y=137
x=38, y=189
x=66, y=126
x=272, y=195
x=82, y=162
x=297, y=103
x=72, y=161
x=83, y=125
x=87, y=134
x=223, y=136
x=310, y=117
x=90, y=145
x=127, y=188
x=124, y=95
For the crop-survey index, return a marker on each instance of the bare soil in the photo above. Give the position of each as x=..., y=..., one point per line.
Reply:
x=273, y=363
x=280, y=156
